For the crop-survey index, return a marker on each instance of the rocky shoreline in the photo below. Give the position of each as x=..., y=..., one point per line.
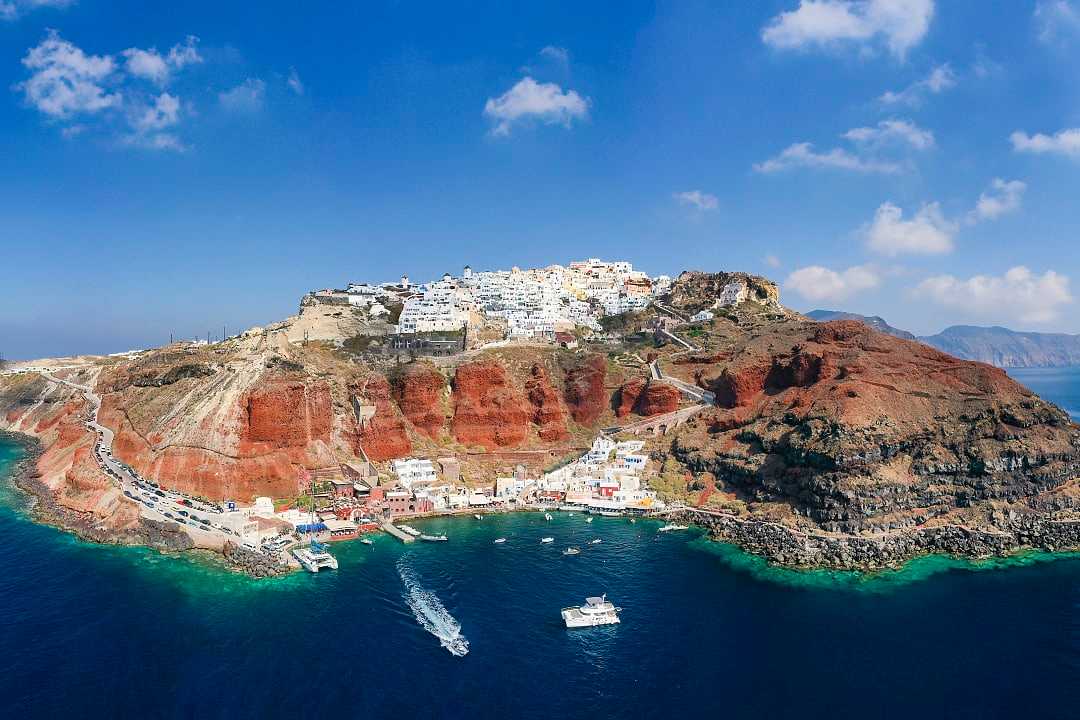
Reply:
x=788, y=547
x=165, y=537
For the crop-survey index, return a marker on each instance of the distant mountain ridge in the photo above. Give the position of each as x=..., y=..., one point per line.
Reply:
x=994, y=345
x=875, y=321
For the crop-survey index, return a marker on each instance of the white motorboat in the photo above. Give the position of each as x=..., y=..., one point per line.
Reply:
x=547, y=516
x=478, y=516
x=500, y=541
x=409, y=529
x=546, y=540
x=597, y=541
x=595, y=611
x=434, y=538
x=588, y=519
x=671, y=526
x=367, y=541
x=571, y=551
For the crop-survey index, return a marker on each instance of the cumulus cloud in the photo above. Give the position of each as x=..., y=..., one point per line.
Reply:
x=940, y=79
x=14, y=9
x=530, y=100
x=899, y=24
x=1064, y=142
x=892, y=131
x=927, y=233
x=247, y=97
x=697, y=199
x=1003, y=197
x=152, y=65
x=294, y=82
x=804, y=155
x=557, y=54
x=65, y=81
x=1019, y=294
x=820, y=283
x=1057, y=21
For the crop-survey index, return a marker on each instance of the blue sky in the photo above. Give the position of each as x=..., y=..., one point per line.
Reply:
x=204, y=164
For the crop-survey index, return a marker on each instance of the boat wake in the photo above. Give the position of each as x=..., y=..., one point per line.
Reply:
x=431, y=614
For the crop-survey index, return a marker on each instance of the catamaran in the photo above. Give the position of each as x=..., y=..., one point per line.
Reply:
x=595, y=611
x=315, y=556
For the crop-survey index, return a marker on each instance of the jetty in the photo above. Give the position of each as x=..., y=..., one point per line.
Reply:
x=392, y=529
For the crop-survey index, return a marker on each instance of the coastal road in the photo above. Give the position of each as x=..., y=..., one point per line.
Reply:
x=154, y=502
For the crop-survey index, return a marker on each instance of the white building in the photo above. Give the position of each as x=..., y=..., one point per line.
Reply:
x=703, y=316
x=415, y=472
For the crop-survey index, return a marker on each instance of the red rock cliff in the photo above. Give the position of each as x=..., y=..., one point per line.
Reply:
x=584, y=389
x=418, y=392
x=488, y=410
x=547, y=411
x=384, y=436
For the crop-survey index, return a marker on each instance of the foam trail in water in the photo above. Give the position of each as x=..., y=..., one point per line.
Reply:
x=431, y=614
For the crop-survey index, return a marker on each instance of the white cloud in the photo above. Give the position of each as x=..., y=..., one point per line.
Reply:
x=65, y=81
x=247, y=97
x=151, y=65
x=527, y=99
x=804, y=155
x=1004, y=196
x=164, y=113
x=1057, y=21
x=892, y=131
x=927, y=233
x=14, y=9
x=1064, y=142
x=940, y=79
x=1017, y=295
x=700, y=200
x=558, y=54
x=820, y=283
x=772, y=261
x=294, y=82
x=900, y=24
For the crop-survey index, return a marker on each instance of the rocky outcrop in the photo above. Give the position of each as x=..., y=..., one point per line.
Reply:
x=657, y=398
x=694, y=291
x=547, y=412
x=584, y=389
x=384, y=436
x=419, y=390
x=488, y=410
x=625, y=399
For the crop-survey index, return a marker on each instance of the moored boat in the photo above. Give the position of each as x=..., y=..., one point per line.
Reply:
x=671, y=526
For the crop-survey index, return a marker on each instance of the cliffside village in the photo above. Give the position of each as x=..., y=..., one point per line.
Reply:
x=608, y=479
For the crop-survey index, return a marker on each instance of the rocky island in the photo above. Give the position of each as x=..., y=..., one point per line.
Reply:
x=812, y=444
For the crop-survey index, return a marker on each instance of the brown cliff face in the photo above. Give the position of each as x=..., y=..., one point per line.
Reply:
x=418, y=392
x=282, y=414
x=584, y=389
x=858, y=430
x=384, y=436
x=547, y=411
x=626, y=397
x=657, y=398
x=488, y=410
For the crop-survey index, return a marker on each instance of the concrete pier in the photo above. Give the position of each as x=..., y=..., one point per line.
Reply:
x=397, y=532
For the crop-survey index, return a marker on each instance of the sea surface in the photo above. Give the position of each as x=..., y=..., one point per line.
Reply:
x=1060, y=385
x=471, y=629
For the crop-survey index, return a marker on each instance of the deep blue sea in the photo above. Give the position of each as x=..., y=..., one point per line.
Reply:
x=707, y=631
x=1059, y=385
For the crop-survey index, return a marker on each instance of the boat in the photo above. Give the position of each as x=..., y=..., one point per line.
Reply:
x=500, y=541
x=478, y=516
x=409, y=529
x=588, y=519
x=571, y=551
x=670, y=527
x=609, y=513
x=597, y=541
x=595, y=611
x=434, y=538
x=547, y=516
x=367, y=541
x=633, y=520
x=315, y=557
x=547, y=540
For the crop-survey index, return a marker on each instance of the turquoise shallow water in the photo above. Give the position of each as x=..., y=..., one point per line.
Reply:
x=92, y=631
